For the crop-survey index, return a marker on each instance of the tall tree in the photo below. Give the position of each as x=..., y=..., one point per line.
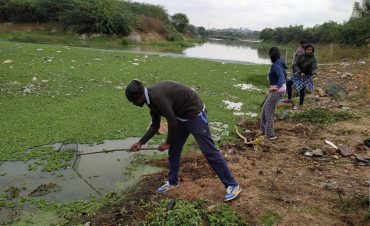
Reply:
x=180, y=21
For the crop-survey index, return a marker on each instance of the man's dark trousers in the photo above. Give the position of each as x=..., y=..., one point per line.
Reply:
x=199, y=128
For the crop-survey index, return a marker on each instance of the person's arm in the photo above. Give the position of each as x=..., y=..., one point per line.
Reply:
x=156, y=122
x=314, y=67
x=296, y=66
x=169, y=114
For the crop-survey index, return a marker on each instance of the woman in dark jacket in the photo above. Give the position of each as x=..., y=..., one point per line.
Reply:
x=305, y=68
x=277, y=90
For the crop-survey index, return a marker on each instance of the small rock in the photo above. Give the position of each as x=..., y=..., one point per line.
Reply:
x=345, y=150
x=328, y=149
x=335, y=156
x=308, y=153
x=317, y=152
x=329, y=185
x=231, y=151
x=321, y=92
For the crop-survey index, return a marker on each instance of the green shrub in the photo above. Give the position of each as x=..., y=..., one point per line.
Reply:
x=21, y=11
x=51, y=9
x=184, y=213
x=103, y=16
x=321, y=116
x=149, y=10
x=224, y=215
x=172, y=34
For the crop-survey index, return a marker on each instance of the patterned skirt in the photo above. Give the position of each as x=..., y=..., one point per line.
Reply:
x=301, y=82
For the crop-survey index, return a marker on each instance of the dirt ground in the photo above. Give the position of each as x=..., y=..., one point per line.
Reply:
x=276, y=175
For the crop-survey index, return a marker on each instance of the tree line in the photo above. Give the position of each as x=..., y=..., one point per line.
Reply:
x=97, y=16
x=356, y=31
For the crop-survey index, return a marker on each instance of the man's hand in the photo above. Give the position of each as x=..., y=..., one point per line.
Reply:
x=163, y=147
x=273, y=89
x=135, y=147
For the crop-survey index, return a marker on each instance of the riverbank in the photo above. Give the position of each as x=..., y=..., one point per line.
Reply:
x=60, y=94
x=54, y=34
x=296, y=179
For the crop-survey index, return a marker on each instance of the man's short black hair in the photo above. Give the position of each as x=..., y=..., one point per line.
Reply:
x=134, y=90
x=274, y=54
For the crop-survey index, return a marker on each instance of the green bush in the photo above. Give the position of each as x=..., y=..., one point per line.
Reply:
x=191, y=213
x=224, y=215
x=184, y=213
x=149, y=10
x=103, y=16
x=21, y=11
x=125, y=41
x=172, y=34
x=51, y=9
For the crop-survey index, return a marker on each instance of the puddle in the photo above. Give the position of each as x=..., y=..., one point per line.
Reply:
x=247, y=87
x=95, y=174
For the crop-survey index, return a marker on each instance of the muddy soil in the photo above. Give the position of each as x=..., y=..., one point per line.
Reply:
x=276, y=175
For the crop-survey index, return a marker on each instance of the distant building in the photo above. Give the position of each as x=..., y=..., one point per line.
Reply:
x=356, y=10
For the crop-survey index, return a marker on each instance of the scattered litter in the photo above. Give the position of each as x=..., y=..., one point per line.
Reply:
x=331, y=144
x=44, y=81
x=344, y=64
x=233, y=105
x=118, y=87
x=361, y=62
x=247, y=87
x=97, y=59
x=135, y=64
x=39, y=49
x=308, y=153
x=8, y=61
x=34, y=78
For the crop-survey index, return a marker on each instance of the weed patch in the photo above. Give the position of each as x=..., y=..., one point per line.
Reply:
x=321, y=116
x=191, y=213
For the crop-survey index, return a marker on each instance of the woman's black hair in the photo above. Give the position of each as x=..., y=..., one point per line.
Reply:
x=303, y=42
x=274, y=54
x=310, y=45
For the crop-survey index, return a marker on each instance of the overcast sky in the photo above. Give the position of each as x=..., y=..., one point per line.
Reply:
x=258, y=14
